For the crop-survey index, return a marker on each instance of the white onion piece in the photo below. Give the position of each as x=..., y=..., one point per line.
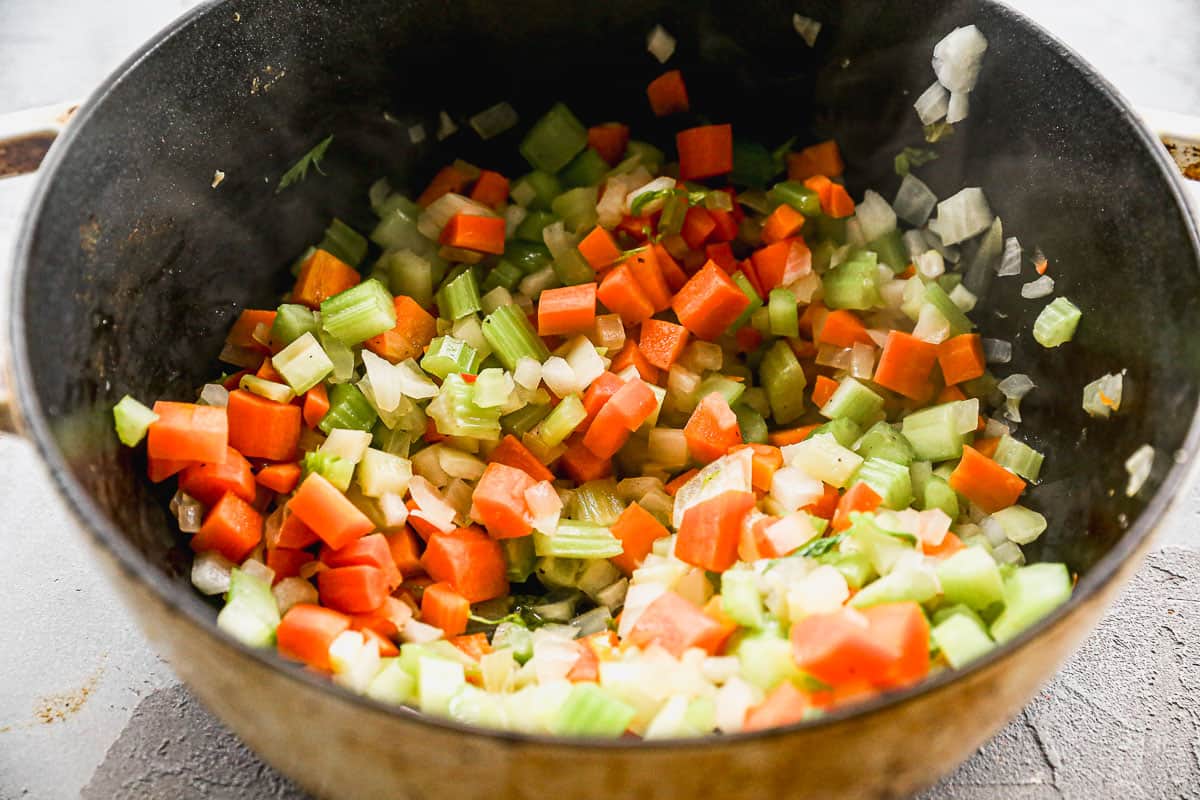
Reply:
x=914, y=241
x=854, y=233
x=430, y=505
x=829, y=355
x=558, y=241
x=545, y=506
x=875, y=216
x=258, y=569
x=914, y=201
x=1102, y=396
x=211, y=572
x=1010, y=260
x=214, y=394
x=799, y=261
x=933, y=104
x=394, y=510
x=930, y=264
x=932, y=326
x=733, y=701
x=189, y=513
x=806, y=287
x=997, y=351
x=415, y=632
x=1008, y=553
x=1042, y=287
x=585, y=362
x=523, y=194
x=346, y=444
x=494, y=120
x=1138, y=466
x=960, y=104
x=294, y=591
x=660, y=44
x=528, y=373
x=413, y=381
x=862, y=360
x=878, y=335
x=416, y=133
x=962, y=297
x=934, y=240
x=995, y=429
x=1015, y=387
x=514, y=215
x=385, y=381
x=446, y=126
x=807, y=27
x=439, y=212
x=559, y=376
x=892, y=292
x=958, y=57
x=657, y=185
x=962, y=216
x=729, y=473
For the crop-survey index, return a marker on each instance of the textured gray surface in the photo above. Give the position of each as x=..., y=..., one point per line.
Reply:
x=87, y=709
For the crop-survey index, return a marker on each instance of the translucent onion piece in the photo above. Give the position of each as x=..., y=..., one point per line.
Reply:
x=514, y=215
x=1042, y=287
x=933, y=239
x=932, y=326
x=660, y=44
x=930, y=264
x=958, y=57
x=807, y=28
x=1010, y=261
x=914, y=201
x=875, y=216
x=189, y=513
x=960, y=104
x=413, y=381
x=914, y=241
x=528, y=373
x=1016, y=385
x=430, y=505
x=439, y=212
x=558, y=241
x=210, y=573
x=545, y=507
x=494, y=120
x=385, y=381
x=416, y=134
x=214, y=394
x=256, y=568
x=997, y=351
x=829, y=355
x=962, y=297
x=933, y=104
x=1008, y=553
x=1102, y=397
x=962, y=216
x=995, y=429
x=294, y=591
x=523, y=194
x=559, y=376
x=650, y=206
x=862, y=360
x=1138, y=466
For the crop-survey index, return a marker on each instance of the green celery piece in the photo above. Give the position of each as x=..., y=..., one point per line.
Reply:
x=132, y=420
x=766, y=660
x=732, y=391
x=578, y=539
x=751, y=424
x=855, y=401
x=1031, y=593
x=854, y=284
x=674, y=211
x=348, y=408
x=832, y=230
x=756, y=302
x=438, y=682
x=397, y=229
x=344, y=242
x=782, y=376
x=933, y=434
x=529, y=257
x=938, y=494
x=754, y=166
x=883, y=441
x=448, y=355
x=561, y=572
x=882, y=548
x=519, y=558
x=510, y=335
x=545, y=188
x=587, y=169
x=899, y=586
x=784, y=313
x=590, y=711
x=554, y=140
x=596, y=502
x=844, y=430
x=577, y=208
x=855, y=567
x=961, y=640
x=459, y=297
x=972, y=578
x=291, y=322
x=505, y=274
x=523, y=420
x=533, y=226
x=822, y=255
x=562, y=421
x=515, y=637
x=948, y=281
x=796, y=195
x=646, y=155
x=455, y=412
x=921, y=472
x=251, y=614
x=340, y=355
x=936, y=296
x=359, y=313
x=573, y=269
x=890, y=250
x=303, y=363
x=889, y=480
x=392, y=684
x=337, y=471
x=1057, y=323
x=410, y=275
x=740, y=598
x=1019, y=457
x=381, y=472
x=947, y=611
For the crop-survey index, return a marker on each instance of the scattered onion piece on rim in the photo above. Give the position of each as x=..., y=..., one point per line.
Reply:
x=807, y=27
x=1138, y=466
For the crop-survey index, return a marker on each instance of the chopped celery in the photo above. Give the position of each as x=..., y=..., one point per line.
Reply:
x=889, y=250
x=783, y=378
x=1018, y=457
x=514, y=637
x=646, y=155
x=519, y=557
x=132, y=420
x=729, y=389
x=882, y=548
x=344, y=242
x=348, y=408
x=756, y=302
x=843, y=429
x=359, y=313
x=901, y=585
x=271, y=390
x=505, y=274
x=559, y=572
x=821, y=457
x=961, y=639
x=541, y=187
x=578, y=539
x=336, y=470
x=381, y=473
x=751, y=424
x=784, y=314
x=1021, y=525
x=888, y=479
x=854, y=284
x=251, y=614
x=1057, y=323
x=591, y=711
x=411, y=275
x=938, y=494
x=447, y=355
x=392, y=684
x=438, y=681
x=303, y=363
x=572, y=268
x=855, y=567
x=765, y=660
x=587, y=169
x=530, y=229
x=674, y=212
x=934, y=432
x=740, y=598
x=459, y=297
x=596, y=502
x=753, y=165
x=508, y=331
x=493, y=387
x=554, y=140
x=854, y=401
x=577, y=208
x=455, y=412
x=562, y=421
x=796, y=195
x=936, y=296
x=291, y=322
x=883, y=441
x=1031, y=593
x=972, y=578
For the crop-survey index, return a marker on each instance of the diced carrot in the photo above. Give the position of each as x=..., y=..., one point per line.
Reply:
x=353, y=590
x=599, y=249
x=709, y=303
x=233, y=528
x=387, y=648
x=714, y=609
x=644, y=265
x=987, y=446
x=207, y=482
x=609, y=140
x=748, y=339
x=266, y=371
x=950, y=545
x=586, y=666
x=372, y=550
x=596, y=395
x=950, y=394
x=286, y=562
x=675, y=624
x=414, y=330
x=859, y=497
x=823, y=390
x=470, y=561
x=293, y=533
x=448, y=179
x=984, y=482
x=906, y=364
x=316, y=405
x=961, y=358
x=803, y=348
x=638, y=228
x=476, y=645
x=704, y=152
x=662, y=343
x=904, y=630
x=188, y=432
x=709, y=533
x=406, y=551
x=826, y=506
x=321, y=277
x=672, y=272
x=677, y=483
x=668, y=94
x=262, y=428
x=722, y=255
x=620, y=293
x=159, y=469
x=242, y=332
x=632, y=356
x=782, y=223
x=625, y=411
x=424, y=528
x=698, y=225
x=499, y=501
x=843, y=328
x=790, y=435
x=491, y=189
x=765, y=460
x=306, y=632
x=726, y=226
x=839, y=647
x=781, y=263
x=638, y=530
x=567, y=309
x=281, y=478
x=785, y=705
x=712, y=429
x=835, y=201
x=513, y=453
x=470, y=232
x=819, y=159
x=320, y=506
x=386, y=621
x=581, y=464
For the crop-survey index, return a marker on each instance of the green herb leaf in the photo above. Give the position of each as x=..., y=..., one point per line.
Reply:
x=646, y=198
x=299, y=170
x=912, y=157
x=819, y=547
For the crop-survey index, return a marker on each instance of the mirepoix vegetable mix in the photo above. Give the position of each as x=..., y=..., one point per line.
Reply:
x=661, y=442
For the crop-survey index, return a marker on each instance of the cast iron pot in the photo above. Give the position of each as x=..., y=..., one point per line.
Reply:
x=131, y=267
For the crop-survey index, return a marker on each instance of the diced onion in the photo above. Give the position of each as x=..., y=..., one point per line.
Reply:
x=914, y=201
x=962, y=297
x=211, y=572
x=430, y=505
x=651, y=206
x=732, y=701
x=1138, y=466
x=1010, y=260
x=346, y=444
x=807, y=27
x=214, y=394
x=862, y=360
x=523, y=194
x=440, y=211
x=559, y=376
x=494, y=120
x=667, y=447
x=394, y=509
x=958, y=57
x=416, y=133
x=514, y=215
x=960, y=104
x=189, y=512
x=1102, y=397
x=829, y=355
x=292, y=592
x=995, y=429
x=932, y=326
x=875, y=216
x=914, y=241
x=585, y=362
x=660, y=44
x=962, y=216
x=966, y=415
x=458, y=464
x=930, y=264
x=1015, y=387
x=385, y=381
x=558, y=241
x=1008, y=553
x=933, y=239
x=1042, y=287
x=413, y=381
x=446, y=126
x=997, y=351
x=545, y=507
x=933, y=104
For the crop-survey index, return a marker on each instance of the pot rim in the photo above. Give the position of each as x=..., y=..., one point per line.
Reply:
x=133, y=565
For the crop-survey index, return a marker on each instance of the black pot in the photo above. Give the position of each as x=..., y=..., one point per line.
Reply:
x=131, y=267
